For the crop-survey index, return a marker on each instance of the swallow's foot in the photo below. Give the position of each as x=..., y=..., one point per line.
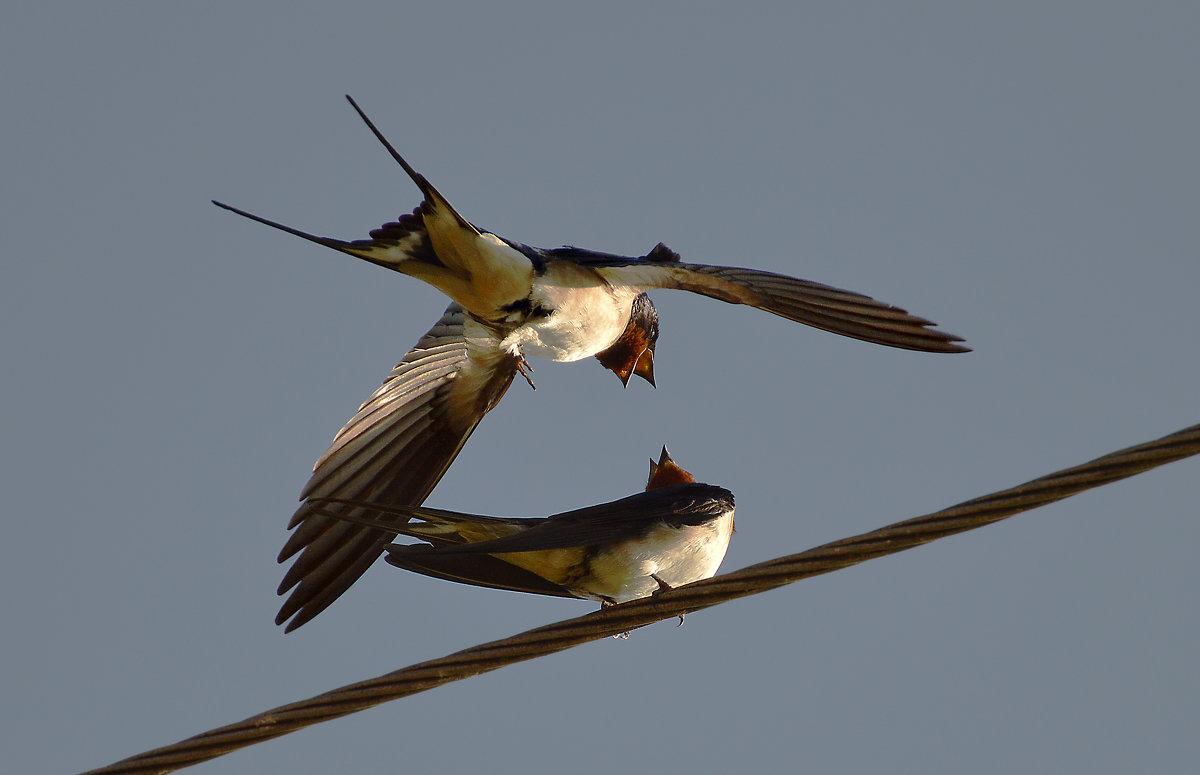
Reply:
x=663, y=587
x=525, y=369
x=606, y=604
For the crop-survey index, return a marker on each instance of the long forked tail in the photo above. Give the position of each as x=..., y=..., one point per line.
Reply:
x=438, y=526
x=358, y=250
x=328, y=242
x=433, y=198
x=402, y=245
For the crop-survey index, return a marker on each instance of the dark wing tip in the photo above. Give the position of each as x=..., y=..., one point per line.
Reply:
x=848, y=313
x=302, y=618
x=942, y=341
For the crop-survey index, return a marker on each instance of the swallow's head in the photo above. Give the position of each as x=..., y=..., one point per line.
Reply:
x=666, y=472
x=633, y=352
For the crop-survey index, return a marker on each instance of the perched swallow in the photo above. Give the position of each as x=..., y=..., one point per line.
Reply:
x=510, y=300
x=674, y=533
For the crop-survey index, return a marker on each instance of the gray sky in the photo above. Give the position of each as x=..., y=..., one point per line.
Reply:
x=1025, y=175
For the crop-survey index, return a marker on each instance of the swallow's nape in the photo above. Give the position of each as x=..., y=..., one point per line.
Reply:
x=633, y=352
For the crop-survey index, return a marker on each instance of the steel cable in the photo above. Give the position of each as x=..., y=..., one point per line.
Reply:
x=693, y=597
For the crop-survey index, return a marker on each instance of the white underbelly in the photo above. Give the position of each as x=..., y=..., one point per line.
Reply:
x=678, y=556
x=587, y=318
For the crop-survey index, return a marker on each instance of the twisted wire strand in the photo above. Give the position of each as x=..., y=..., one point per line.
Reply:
x=693, y=597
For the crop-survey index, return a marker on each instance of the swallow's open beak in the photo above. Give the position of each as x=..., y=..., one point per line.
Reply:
x=654, y=466
x=645, y=369
x=633, y=352
x=666, y=472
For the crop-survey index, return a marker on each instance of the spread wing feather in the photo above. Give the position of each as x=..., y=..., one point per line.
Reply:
x=821, y=306
x=394, y=450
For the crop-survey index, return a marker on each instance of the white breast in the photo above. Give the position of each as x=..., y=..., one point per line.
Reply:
x=588, y=315
x=678, y=556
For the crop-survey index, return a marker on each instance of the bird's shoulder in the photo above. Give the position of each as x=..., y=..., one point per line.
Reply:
x=659, y=254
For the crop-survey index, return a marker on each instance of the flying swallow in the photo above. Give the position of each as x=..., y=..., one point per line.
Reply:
x=674, y=533
x=510, y=300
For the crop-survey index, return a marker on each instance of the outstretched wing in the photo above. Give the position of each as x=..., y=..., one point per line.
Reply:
x=394, y=450
x=822, y=306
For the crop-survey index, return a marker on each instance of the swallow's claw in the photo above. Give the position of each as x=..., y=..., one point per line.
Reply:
x=664, y=586
x=525, y=369
x=606, y=604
